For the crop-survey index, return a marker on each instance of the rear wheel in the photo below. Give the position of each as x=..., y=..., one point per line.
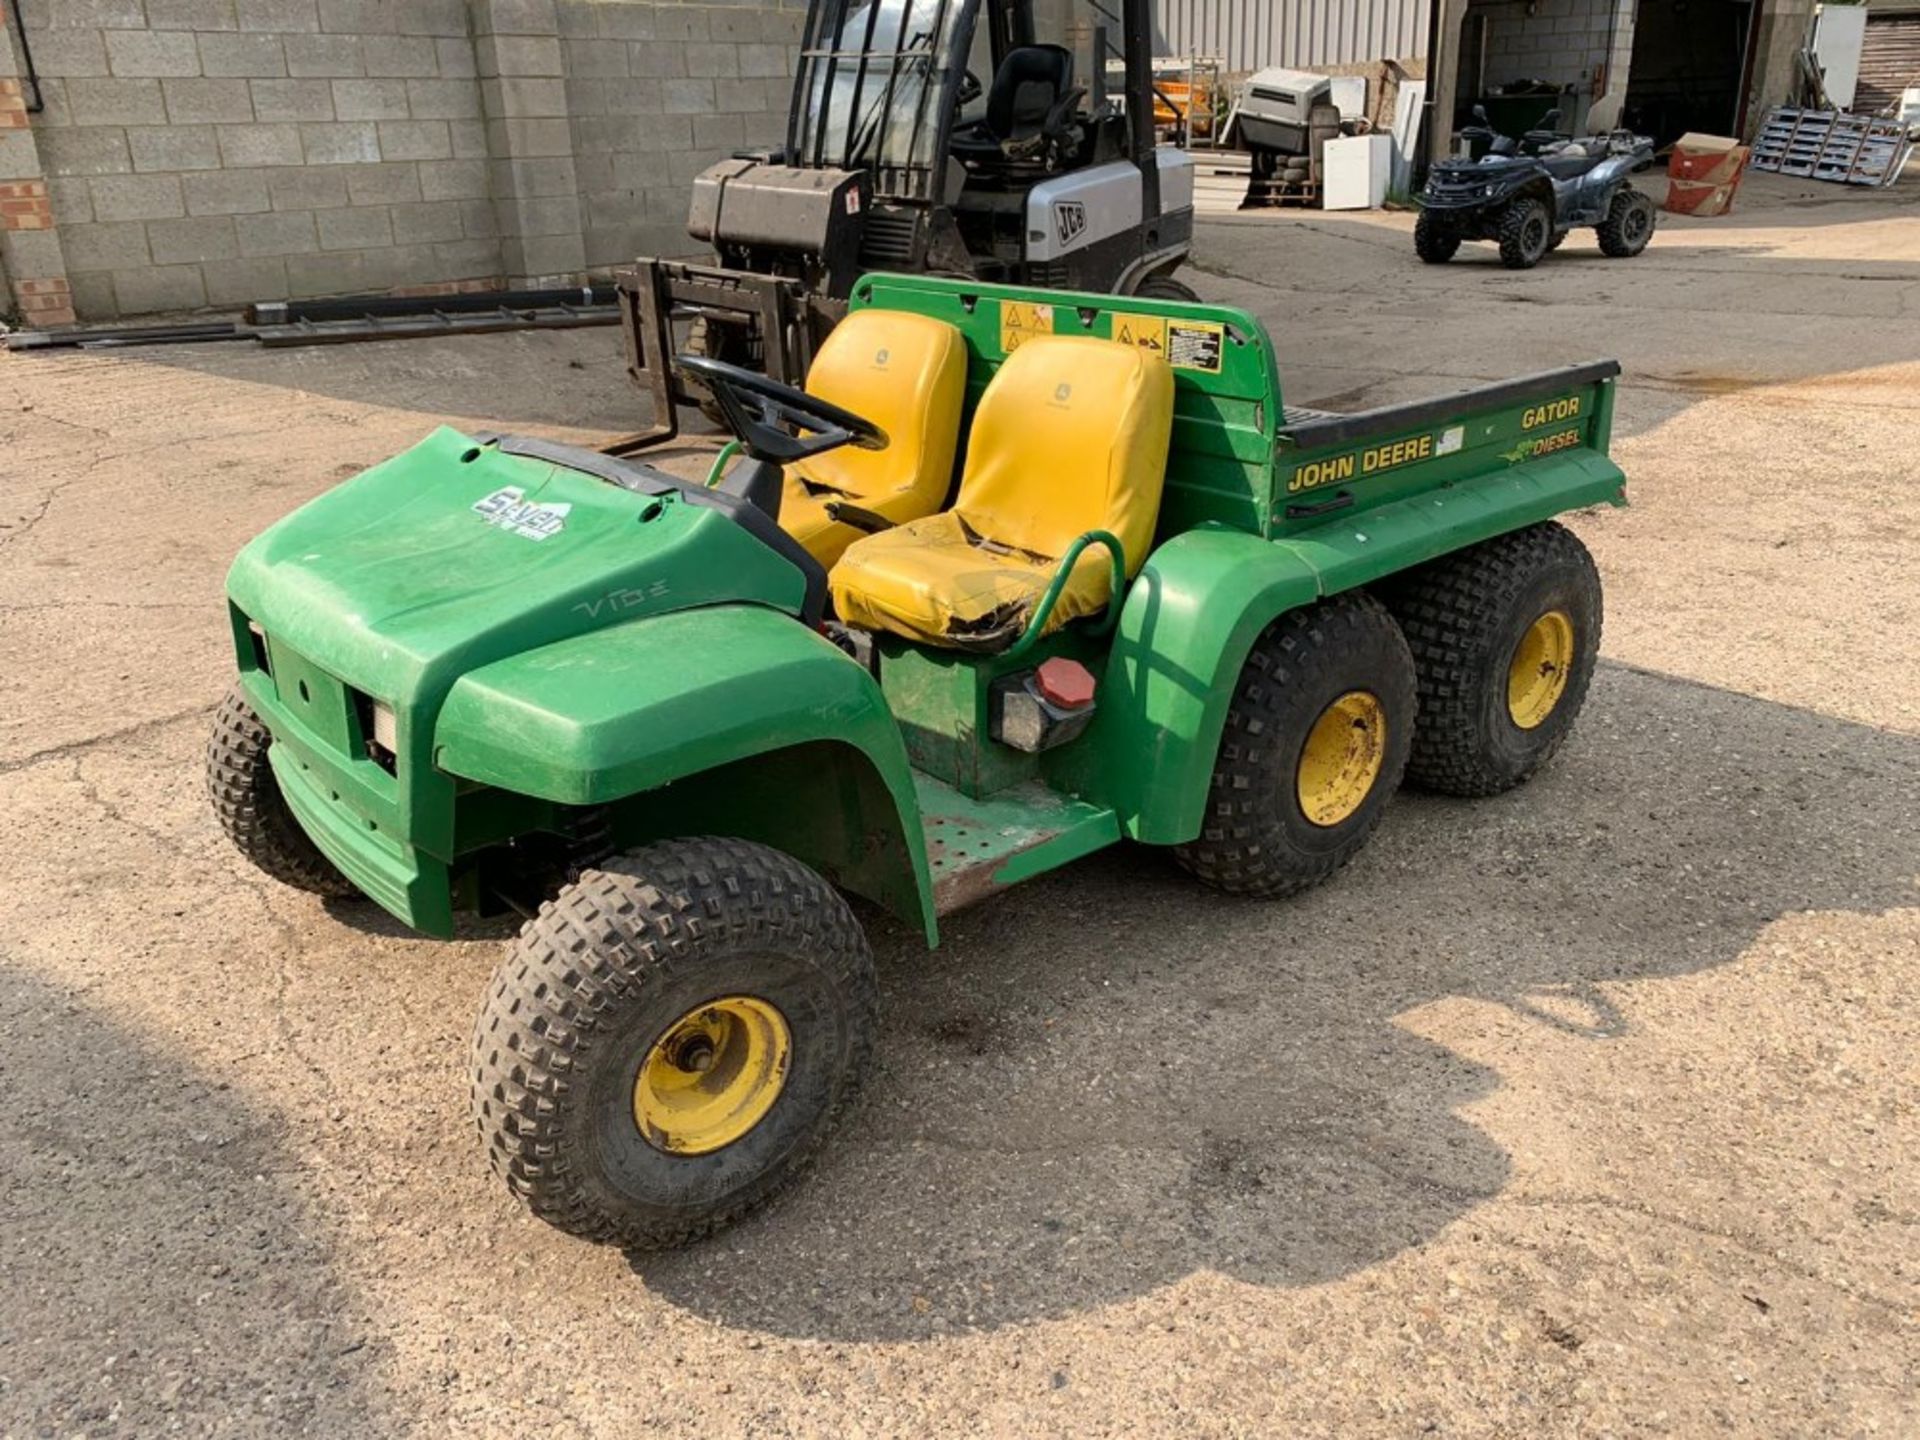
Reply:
x=1628, y=226
x=1504, y=636
x=251, y=810
x=1525, y=230
x=1315, y=742
x=1434, y=241
x=669, y=1041
x=1165, y=287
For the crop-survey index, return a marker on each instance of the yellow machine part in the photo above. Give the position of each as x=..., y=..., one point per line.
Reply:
x=713, y=1075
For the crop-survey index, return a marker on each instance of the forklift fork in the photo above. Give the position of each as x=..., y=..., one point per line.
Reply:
x=654, y=294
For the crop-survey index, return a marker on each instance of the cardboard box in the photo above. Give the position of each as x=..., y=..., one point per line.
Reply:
x=1693, y=197
x=1707, y=159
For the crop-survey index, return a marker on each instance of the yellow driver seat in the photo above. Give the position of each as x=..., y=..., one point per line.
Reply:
x=907, y=374
x=1070, y=436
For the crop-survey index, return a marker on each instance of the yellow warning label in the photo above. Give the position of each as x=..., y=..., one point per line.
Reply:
x=1148, y=332
x=1195, y=344
x=1020, y=321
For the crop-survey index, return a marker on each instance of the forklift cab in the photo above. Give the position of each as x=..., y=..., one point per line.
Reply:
x=988, y=142
x=967, y=138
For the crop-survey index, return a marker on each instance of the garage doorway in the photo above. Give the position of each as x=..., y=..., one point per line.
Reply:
x=1690, y=60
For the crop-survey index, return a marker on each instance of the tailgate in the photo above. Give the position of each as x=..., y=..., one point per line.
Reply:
x=1329, y=467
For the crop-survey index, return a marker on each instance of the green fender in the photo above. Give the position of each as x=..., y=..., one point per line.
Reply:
x=1204, y=597
x=729, y=719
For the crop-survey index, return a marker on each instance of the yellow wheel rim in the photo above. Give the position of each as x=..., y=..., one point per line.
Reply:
x=713, y=1076
x=1342, y=757
x=1537, y=676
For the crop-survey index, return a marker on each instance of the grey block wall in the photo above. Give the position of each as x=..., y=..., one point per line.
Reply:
x=1564, y=41
x=210, y=152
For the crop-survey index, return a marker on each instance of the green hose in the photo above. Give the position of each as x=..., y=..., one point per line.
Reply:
x=727, y=452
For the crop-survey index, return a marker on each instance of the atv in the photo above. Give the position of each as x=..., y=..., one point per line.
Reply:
x=1526, y=195
x=1021, y=574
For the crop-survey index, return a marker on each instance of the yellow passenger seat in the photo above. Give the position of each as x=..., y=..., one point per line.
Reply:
x=1070, y=436
x=907, y=374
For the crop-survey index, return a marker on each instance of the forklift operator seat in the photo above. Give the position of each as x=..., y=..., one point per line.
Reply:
x=1028, y=84
x=907, y=374
x=1070, y=436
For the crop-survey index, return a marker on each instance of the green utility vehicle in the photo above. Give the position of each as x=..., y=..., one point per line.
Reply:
x=1146, y=602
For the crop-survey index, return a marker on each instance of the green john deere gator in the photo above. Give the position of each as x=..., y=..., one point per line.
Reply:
x=1019, y=575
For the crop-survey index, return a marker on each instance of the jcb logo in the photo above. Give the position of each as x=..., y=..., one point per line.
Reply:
x=1069, y=221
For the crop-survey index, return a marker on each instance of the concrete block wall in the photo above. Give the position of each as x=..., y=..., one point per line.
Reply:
x=33, y=275
x=209, y=152
x=655, y=93
x=1565, y=41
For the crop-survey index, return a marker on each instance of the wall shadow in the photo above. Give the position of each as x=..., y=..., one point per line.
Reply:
x=1111, y=1078
x=159, y=1271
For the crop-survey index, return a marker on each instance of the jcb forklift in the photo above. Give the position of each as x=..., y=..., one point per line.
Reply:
x=966, y=138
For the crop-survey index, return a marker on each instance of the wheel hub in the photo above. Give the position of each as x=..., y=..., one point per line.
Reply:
x=1537, y=674
x=712, y=1076
x=1342, y=757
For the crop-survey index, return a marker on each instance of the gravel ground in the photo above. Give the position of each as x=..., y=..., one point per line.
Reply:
x=1588, y=1110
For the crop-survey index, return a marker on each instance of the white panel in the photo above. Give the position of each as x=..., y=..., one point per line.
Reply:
x=1354, y=172
x=1837, y=37
x=1073, y=211
x=1176, y=178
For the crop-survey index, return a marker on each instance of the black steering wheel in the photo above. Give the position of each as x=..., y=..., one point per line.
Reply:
x=758, y=409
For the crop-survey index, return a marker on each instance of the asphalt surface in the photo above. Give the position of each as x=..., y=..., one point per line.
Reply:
x=1589, y=1110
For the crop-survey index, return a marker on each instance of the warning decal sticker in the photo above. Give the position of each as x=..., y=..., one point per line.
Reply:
x=1145, y=332
x=1195, y=344
x=1020, y=322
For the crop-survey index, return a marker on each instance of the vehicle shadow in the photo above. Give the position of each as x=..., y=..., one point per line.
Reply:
x=119, y=1154
x=1112, y=1078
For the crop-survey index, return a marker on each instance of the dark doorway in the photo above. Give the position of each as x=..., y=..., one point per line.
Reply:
x=1689, y=59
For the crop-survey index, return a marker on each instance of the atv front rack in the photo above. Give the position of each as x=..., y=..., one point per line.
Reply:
x=772, y=312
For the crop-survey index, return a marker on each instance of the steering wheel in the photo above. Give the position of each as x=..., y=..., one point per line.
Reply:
x=757, y=408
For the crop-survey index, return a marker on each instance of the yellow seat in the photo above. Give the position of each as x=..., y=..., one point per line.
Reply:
x=1070, y=436
x=907, y=374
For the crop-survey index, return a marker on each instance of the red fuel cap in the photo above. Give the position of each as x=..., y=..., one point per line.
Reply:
x=1066, y=683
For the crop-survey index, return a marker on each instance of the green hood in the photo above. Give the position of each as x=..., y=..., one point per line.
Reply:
x=452, y=555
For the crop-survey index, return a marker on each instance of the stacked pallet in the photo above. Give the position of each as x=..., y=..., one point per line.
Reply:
x=1831, y=145
x=1220, y=180
x=1224, y=184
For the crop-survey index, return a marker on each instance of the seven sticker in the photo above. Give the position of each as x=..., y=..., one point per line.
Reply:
x=511, y=510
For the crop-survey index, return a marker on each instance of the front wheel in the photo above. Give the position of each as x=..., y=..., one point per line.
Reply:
x=1315, y=741
x=669, y=1041
x=1434, y=241
x=251, y=810
x=1526, y=229
x=1628, y=226
x=1505, y=635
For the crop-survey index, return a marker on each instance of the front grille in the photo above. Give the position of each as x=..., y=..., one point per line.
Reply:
x=1446, y=180
x=887, y=239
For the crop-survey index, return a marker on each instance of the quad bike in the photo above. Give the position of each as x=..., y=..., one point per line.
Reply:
x=1019, y=575
x=1527, y=195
